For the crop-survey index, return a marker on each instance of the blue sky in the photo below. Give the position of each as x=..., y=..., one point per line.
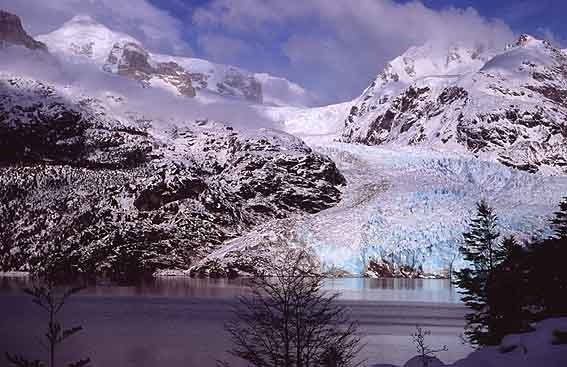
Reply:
x=264, y=48
x=334, y=48
x=538, y=17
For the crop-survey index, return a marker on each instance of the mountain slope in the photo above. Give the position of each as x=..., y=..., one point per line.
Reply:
x=94, y=192
x=83, y=39
x=91, y=184
x=510, y=107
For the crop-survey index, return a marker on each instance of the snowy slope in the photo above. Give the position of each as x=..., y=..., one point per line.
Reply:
x=151, y=192
x=243, y=196
x=317, y=121
x=83, y=39
x=509, y=107
x=408, y=204
x=83, y=36
x=536, y=348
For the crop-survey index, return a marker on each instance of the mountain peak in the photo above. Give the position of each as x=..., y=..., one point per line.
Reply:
x=505, y=110
x=83, y=19
x=84, y=36
x=12, y=32
x=526, y=40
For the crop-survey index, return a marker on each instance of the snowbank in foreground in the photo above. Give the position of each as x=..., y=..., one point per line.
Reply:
x=546, y=346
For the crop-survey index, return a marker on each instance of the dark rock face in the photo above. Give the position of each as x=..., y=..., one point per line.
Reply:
x=38, y=126
x=86, y=193
x=384, y=269
x=132, y=61
x=12, y=32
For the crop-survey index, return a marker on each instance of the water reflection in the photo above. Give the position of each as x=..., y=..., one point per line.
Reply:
x=360, y=289
x=389, y=289
x=179, y=322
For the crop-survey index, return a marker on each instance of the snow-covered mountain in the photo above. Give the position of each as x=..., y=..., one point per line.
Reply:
x=83, y=39
x=408, y=199
x=95, y=170
x=93, y=184
x=106, y=187
x=509, y=106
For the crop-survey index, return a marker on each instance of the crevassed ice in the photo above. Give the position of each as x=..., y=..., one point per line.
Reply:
x=410, y=206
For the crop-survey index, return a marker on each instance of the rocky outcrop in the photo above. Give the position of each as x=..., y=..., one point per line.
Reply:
x=37, y=126
x=385, y=269
x=133, y=61
x=12, y=33
x=236, y=83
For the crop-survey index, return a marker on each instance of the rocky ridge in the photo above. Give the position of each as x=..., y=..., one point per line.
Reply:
x=115, y=196
x=83, y=39
x=12, y=33
x=510, y=107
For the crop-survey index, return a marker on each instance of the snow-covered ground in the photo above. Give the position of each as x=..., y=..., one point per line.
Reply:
x=538, y=348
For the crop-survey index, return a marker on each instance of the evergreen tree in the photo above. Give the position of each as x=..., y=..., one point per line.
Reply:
x=480, y=242
x=506, y=291
x=481, y=248
x=559, y=223
x=546, y=275
x=51, y=298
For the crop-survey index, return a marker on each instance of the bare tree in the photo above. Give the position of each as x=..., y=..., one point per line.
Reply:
x=51, y=299
x=288, y=321
x=426, y=352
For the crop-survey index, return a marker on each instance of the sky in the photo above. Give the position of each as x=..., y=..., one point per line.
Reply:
x=334, y=48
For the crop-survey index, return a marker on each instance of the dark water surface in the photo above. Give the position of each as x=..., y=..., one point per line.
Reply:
x=174, y=322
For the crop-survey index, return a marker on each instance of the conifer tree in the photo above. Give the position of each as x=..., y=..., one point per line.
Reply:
x=506, y=288
x=481, y=248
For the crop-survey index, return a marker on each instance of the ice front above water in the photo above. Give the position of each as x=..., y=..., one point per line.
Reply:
x=409, y=207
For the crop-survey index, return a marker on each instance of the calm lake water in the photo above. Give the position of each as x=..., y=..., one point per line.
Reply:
x=179, y=321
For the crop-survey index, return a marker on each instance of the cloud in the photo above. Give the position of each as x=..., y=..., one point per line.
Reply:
x=337, y=47
x=333, y=48
x=157, y=29
x=549, y=35
x=158, y=105
x=221, y=47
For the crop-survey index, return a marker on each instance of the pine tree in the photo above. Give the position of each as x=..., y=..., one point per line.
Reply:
x=506, y=291
x=559, y=223
x=484, y=252
x=480, y=246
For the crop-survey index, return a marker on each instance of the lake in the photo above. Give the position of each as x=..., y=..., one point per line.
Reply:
x=176, y=322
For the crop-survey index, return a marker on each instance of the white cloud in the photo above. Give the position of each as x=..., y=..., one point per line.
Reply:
x=220, y=47
x=338, y=46
x=153, y=103
x=139, y=18
x=332, y=47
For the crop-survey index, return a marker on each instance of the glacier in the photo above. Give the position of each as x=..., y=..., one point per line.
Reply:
x=410, y=206
x=405, y=205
